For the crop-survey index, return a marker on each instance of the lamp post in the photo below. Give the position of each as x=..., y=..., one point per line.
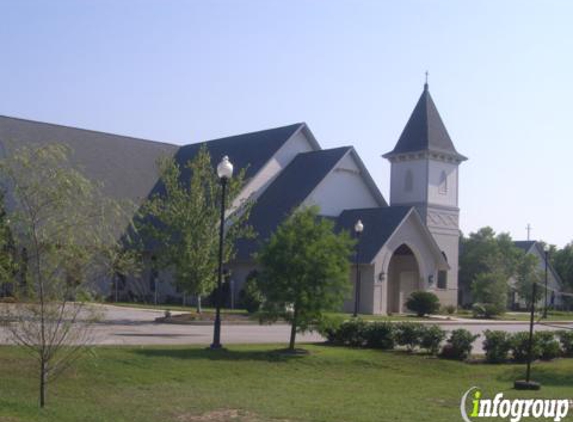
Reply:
x=546, y=250
x=358, y=228
x=225, y=172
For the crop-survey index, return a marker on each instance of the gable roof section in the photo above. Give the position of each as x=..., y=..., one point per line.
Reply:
x=368, y=179
x=524, y=245
x=379, y=223
x=290, y=188
x=125, y=165
x=248, y=150
x=425, y=131
x=528, y=245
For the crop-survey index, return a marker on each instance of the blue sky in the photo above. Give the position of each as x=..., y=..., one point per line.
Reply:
x=185, y=71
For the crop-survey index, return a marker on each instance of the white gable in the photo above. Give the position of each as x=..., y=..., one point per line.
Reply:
x=297, y=144
x=343, y=188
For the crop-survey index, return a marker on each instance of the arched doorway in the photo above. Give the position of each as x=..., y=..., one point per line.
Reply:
x=403, y=278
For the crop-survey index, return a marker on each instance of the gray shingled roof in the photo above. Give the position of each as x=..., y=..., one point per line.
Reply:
x=524, y=245
x=249, y=150
x=291, y=187
x=379, y=224
x=425, y=130
x=125, y=165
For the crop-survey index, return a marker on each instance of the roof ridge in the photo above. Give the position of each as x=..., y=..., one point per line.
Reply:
x=22, y=119
x=250, y=133
x=318, y=151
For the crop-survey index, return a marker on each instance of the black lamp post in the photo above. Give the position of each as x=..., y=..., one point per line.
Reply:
x=225, y=172
x=546, y=250
x=358, y=228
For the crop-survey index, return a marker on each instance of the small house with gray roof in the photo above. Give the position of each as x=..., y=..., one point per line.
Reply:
x=409, y=243
x=554, y=283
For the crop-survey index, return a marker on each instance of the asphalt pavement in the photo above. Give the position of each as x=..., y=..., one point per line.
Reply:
x=131, y=326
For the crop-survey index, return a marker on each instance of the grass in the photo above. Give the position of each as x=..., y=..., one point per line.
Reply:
x=190, y=309
x=379, y=317
x=551, y=316
x=191, y=384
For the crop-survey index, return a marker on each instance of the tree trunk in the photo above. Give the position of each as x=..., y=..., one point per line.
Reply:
x=293, y=330
x=42, y=382
x=199, y=308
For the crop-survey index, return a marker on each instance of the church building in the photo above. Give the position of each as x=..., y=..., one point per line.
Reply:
x=408, y=244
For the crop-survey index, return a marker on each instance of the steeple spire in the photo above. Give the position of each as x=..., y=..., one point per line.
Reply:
x=425, y=131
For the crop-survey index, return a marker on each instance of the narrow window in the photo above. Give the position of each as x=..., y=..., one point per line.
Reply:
x=443, y=188
x=409, y=181
x=442, y=279
x=443, y=276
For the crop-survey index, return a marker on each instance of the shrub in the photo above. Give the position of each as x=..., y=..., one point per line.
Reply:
x=380, y=335
x=423, y=303
x=409, y=334
x=496, y=345
x=566, y=339
x=519, y=347
x=486, y=310
x=431, y=338
x=449, y=309
x=459, y=345
x=352, y=333
x=549, y=346
x=251, y=296
x=328, y=327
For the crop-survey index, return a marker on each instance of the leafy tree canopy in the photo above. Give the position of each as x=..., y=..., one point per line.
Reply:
x=180, y=223
x=305, y=268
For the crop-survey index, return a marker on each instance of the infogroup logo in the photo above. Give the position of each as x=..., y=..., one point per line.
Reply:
x=512, y=409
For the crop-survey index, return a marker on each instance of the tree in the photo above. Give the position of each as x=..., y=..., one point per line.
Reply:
x=562, y=260
x=65, y=225
x=487, y=262
x=490, y=288
x=528, y=273
x=305, y=267
x=181, y=222
x=8, y=254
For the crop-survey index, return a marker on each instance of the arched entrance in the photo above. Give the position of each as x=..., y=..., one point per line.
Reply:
x=403, y=278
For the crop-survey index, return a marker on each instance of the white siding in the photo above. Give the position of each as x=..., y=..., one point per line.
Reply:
x=343, y=188
x=435, y=170
x=398, y=192
x=295, y=145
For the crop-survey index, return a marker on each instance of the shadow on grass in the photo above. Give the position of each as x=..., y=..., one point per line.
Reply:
x=279, y=355
x=546, y=375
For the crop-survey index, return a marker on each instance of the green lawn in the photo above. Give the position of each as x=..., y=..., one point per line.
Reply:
x=379, y=317
x=551, y=316
x=174, y=308
x=192, y=309
x=190, y=384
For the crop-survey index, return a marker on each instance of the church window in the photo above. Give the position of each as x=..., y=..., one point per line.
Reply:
x=443, y=276
x=443, y=187
x=442, y=279
x=409, y=181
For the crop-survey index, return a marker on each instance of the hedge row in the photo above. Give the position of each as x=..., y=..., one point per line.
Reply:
x=501, y=346
x=387, y=335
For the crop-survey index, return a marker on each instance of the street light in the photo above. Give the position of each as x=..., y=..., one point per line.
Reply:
x=225, y=172
x=546, y=250
x=358, y=228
